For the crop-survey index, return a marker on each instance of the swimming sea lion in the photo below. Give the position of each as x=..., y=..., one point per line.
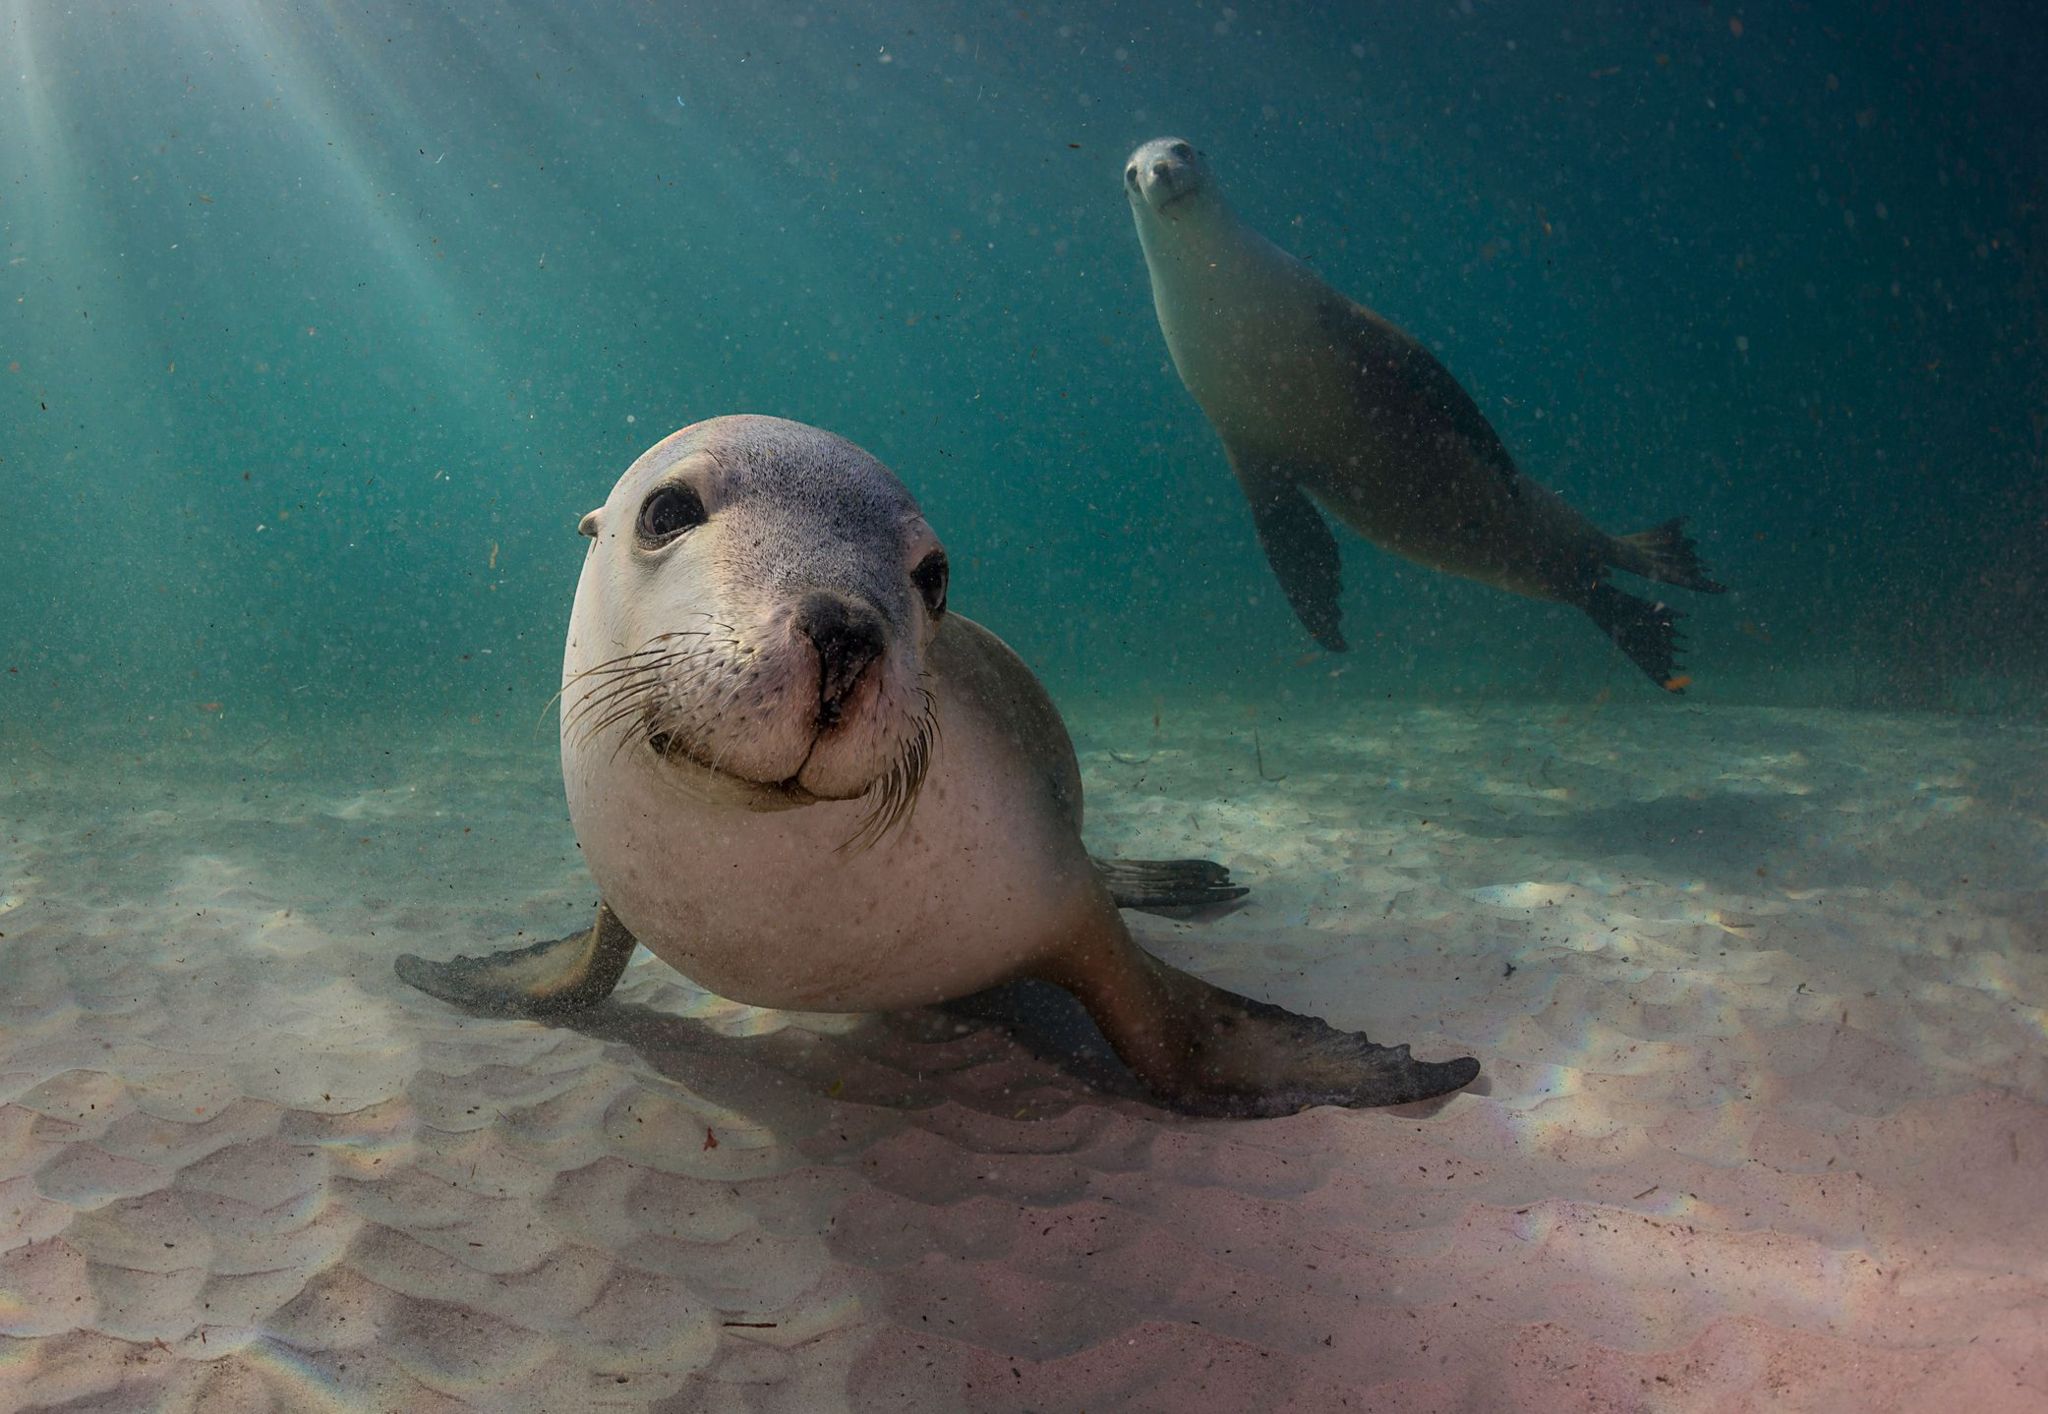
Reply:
x=803, y=783
x=1317, y=397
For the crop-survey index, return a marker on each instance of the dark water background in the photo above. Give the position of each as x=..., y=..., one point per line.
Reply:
x=322, y=324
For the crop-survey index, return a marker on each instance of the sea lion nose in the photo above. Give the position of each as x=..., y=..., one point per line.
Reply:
x=847, y=637
x=1162, y=169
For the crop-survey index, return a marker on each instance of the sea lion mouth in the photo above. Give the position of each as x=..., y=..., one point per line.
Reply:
x=704, y=777
x=1182, y=195
x=632, y=691
x=891, y=795
x=674, y=750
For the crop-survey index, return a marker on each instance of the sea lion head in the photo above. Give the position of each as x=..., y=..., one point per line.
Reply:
x=765, y=594
x=1167, y=180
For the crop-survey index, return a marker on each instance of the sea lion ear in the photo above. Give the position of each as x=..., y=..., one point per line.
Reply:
x=588, y=525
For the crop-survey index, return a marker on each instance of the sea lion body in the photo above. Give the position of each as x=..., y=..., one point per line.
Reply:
x=803, y=783
x=1320, y=401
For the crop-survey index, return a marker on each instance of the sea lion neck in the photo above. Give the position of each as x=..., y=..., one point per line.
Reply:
x=1226, y=298
x=1198, y=228
x=1194, y=253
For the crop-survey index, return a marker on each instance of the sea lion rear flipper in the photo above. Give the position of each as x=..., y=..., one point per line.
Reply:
x=1302, y=551
x=1667, y=553
x=1646, y=631
x=545, y=979
x=1167, y=883
x=1205, y=1051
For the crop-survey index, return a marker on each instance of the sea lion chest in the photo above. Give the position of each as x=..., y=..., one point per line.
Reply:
x=1244, y=335
x=776, y=908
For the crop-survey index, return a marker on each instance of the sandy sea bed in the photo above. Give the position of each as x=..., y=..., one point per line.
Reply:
x=1762, y=997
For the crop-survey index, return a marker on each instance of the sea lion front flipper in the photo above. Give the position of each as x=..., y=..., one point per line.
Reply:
x=1300, y=547
x=1205, y=1051
x=545, y=979
x=1167, y=883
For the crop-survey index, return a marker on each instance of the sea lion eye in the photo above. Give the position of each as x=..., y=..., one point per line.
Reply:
x=670, y=511
x=1183, y=151
x=1131, y=175
x=930, y=577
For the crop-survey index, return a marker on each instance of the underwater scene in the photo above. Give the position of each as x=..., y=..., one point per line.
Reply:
x=572, y=567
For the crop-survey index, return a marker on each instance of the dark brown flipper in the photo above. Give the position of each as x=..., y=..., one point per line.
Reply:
x=545, y=979
x=1646, y=630
x=1167, y=883
x=1302, y=552
x=1667, y=553
x=1204, y=1051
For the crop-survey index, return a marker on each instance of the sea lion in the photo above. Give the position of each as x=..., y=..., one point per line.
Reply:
x=801, y=782
x=1319, y=400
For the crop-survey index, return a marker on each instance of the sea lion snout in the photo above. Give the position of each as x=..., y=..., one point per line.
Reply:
x=1162, y=172
x=848, y=638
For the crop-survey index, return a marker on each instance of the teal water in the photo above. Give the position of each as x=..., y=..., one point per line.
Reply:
x=323, y=323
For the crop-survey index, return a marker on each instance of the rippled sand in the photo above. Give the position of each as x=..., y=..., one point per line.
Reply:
x=1764, y=1124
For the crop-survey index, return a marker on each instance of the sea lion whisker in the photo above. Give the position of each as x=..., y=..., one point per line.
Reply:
x=656, y=656
x=635, y=677
x=656, y=721
x=658, y=643
x=626, y=662
x=650, y=670
x=636, y=684
x=644, y=700
x=626, y=739
x=895, y=793
x=603, y=702
x=604, y=691
x=608, y=667
x=586, y=719
x=632, y=705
